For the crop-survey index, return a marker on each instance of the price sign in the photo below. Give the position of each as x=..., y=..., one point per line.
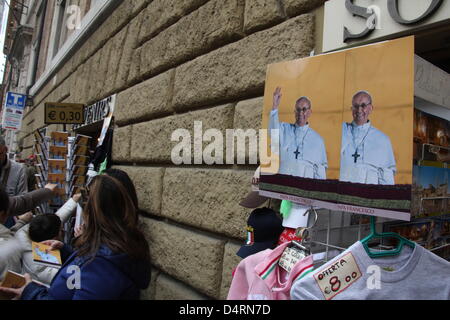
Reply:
x=64, y=113
x=337, y=276
x=289, y=258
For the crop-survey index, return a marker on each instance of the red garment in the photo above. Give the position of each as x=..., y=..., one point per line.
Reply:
x=287, y=236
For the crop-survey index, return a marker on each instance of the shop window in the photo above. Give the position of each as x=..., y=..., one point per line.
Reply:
x=61, y=29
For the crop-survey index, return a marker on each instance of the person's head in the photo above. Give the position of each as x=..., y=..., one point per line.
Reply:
x=3, y=150
x=4, y=205
x=30, y=160
x=111, y=218
x=46, y=226
x=361, y=107
x=123, y=177
x=302, y=111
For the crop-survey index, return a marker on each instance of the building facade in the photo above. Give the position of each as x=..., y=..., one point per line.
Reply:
x=169, y=63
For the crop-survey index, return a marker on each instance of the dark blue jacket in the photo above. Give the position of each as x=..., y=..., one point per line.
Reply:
x=109, y=276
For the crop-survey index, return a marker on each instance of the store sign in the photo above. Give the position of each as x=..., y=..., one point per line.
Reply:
x=64, y=113
x=431, y=84
x=98, y=111
x=13, y=111
x=354, y=22
x=325, y=168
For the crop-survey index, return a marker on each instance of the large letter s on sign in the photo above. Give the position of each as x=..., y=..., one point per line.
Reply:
x=360, y=12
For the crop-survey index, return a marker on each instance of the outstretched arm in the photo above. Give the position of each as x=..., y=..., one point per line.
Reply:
x=274, y=122
x=26, y=202
x=276, y=98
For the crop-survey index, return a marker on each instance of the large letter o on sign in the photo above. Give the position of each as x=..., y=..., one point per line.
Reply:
x=393, y=11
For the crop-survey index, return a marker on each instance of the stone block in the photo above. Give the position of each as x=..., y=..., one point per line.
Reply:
x=248, y=114
x=128, y=51
x=28, y=143
x=138, y=5
x=239, y=69
x=78, y=58
x=122, y=15
x=230, y=262
x=248, y=117
x=149, y=293
x=296, y=7
x=148, y=182
x=65, y=70
x=76, y=84
x=151, y=141
x=121, y=144
x=38, y=115
x=207, y=199
x=168, y=288
x=117, y=48
x=101, y=90
x=188, y=256
x=82, y=83
x=65, y=88
x=160, y=14
x=93, y=76
x=112, y=25
x=145, y=100
x=43, y=92
x=212, y=25
x=261, y=13
x=115, y=21
x=134, y=74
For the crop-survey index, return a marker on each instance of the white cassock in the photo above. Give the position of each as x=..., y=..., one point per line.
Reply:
x=366, y=155
x=302, y=150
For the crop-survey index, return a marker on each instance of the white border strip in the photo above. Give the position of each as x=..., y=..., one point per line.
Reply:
x=88, y=23
x=396, y=215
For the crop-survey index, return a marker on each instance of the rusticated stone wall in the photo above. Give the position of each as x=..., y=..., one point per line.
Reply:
x=171, y=63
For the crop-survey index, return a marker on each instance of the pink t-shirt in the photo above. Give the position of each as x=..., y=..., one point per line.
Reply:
x=259, y=276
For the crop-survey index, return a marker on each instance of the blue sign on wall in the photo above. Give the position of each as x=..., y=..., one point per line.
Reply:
x=13, y=111
x=15, y=100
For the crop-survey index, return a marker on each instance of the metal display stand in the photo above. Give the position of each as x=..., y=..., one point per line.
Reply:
x=335, y=231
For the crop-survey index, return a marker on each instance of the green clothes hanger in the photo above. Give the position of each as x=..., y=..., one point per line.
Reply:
x=374, y=235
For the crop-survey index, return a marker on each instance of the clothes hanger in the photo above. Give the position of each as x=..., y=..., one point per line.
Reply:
x=296, y=250
x=303, y=233
x=300, y=245
x=375, y=235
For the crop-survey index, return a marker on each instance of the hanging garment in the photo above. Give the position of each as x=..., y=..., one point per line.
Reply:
x=414, y=274
x=259, y=276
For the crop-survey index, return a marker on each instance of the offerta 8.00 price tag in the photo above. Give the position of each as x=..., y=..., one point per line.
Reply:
x=338, y=276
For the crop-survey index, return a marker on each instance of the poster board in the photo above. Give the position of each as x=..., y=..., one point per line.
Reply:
x=356, y=154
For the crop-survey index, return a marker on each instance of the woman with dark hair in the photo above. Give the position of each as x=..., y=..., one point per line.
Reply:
x=124, y=178
x=112, y=260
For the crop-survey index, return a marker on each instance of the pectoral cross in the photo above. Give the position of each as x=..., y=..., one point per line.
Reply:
x=296, y=154
x=356, y=155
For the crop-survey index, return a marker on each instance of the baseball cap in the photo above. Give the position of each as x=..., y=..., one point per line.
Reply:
x=263, y=230
x=253, y=199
